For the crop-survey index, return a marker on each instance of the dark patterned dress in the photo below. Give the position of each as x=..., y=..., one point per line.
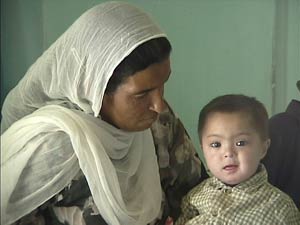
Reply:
x=180, y=170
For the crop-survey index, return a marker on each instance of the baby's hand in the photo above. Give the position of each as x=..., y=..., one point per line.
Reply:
x=169, y=221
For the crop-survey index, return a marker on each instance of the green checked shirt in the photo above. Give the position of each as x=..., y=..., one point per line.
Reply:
x=254, y=202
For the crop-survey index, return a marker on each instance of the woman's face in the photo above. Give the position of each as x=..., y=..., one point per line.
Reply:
x=136, y=103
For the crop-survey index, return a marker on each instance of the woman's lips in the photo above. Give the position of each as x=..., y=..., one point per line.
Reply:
x=152, y=118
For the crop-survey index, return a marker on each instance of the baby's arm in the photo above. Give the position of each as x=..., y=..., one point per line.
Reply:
x=288, y=214
x=188, y=211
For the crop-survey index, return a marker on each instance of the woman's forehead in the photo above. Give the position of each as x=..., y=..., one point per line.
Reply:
x=152, y=77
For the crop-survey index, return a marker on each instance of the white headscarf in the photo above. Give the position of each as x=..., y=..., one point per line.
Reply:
x=47, y=139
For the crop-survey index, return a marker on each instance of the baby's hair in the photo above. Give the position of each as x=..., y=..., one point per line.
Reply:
x=234, y=103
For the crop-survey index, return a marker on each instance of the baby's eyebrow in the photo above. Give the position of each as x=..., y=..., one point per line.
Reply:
x=243, y=133
x=214, y=135
x=236, y=135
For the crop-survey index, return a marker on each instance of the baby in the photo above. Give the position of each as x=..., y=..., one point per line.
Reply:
x=233, y=132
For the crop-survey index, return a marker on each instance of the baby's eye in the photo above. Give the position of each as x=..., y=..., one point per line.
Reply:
x=215, y=144
x=241, y=143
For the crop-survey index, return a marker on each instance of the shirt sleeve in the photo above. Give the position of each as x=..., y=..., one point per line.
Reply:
x=188, y=211
x=287, y=213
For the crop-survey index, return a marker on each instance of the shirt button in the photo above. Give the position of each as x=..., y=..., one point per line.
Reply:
x=229, y=191
x=214, y=213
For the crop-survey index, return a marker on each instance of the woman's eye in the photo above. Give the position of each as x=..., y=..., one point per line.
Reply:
x=241, y=143
x=215, y=145
x=142, y=95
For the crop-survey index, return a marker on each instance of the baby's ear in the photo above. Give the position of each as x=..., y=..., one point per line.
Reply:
x=266, y=147
x=201, y=146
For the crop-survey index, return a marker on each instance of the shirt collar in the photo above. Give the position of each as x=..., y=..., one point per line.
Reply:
x=248, y=186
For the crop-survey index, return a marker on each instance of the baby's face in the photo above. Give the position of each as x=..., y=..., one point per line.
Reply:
x=232, y=147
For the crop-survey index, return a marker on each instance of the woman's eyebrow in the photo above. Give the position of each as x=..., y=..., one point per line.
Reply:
x=144, y=91
x=150, y=89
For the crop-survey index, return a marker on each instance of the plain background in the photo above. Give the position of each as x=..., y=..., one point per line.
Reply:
x=219, y=47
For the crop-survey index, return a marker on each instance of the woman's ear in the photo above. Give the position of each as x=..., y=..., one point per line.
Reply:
x=266, y=146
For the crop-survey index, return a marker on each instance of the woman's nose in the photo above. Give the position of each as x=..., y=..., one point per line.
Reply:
x=158, y=103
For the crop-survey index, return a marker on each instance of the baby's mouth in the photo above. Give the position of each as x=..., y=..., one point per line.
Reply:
x=230, y=167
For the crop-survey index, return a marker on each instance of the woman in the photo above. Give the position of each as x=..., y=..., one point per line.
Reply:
x=77, y=148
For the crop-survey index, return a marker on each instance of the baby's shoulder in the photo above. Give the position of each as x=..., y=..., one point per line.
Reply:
x=200, y=188
x=281, y=205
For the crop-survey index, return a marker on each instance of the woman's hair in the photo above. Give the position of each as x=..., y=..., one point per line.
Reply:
x=235, y=104
x=153, y=51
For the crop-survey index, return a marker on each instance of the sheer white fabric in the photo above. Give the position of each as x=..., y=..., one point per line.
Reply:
x=75, y=70
x=123, y=176
x=51, y=129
